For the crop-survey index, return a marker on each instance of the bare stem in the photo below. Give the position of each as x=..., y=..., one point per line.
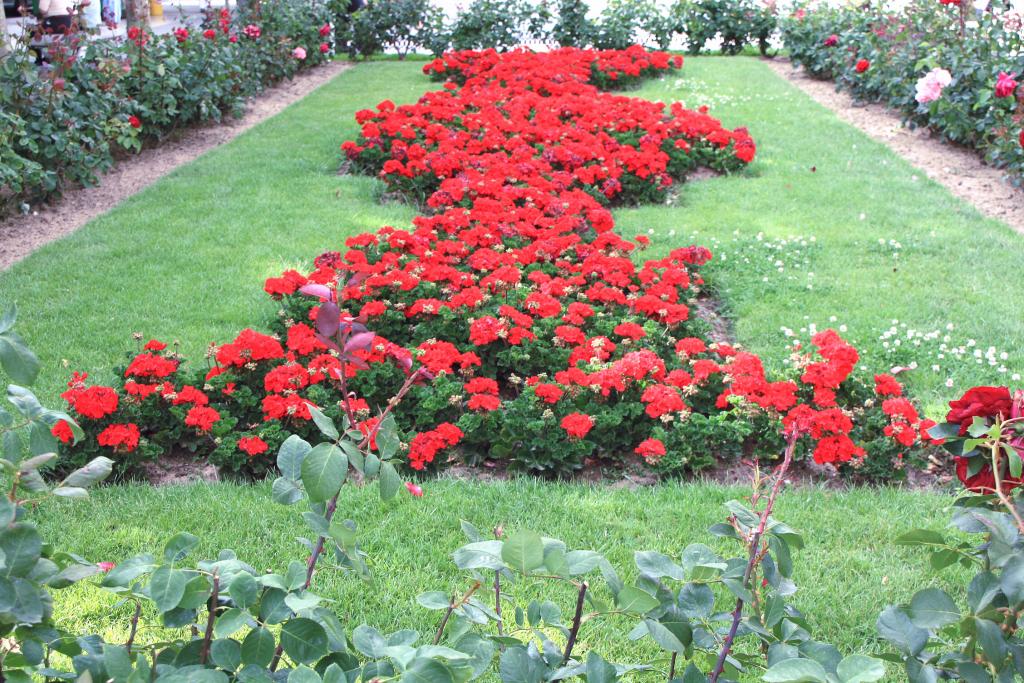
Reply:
x=452, y=606
x=754, y=554
x=134, y=627
x=332, y=505
x=576, y=621
x=204, y=653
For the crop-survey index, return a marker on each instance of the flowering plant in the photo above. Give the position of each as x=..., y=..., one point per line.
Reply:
x=984, y=430
x=969, y=95
x=548, y=346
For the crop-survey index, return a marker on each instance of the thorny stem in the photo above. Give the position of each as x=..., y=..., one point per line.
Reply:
x=134, y=627
x=576, y=620
x=452, y=606
x=332, y=505
x=997, y=446
x=498, y=532
x=204, y=653
x=754, y=553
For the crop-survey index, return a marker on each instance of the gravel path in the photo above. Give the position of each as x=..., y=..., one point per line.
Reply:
x=960, y=170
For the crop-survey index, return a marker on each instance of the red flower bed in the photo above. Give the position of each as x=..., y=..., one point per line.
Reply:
x=546, y=342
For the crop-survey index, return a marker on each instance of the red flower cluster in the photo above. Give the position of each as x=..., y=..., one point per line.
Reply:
x=512, y=289
x=94, y=403
x=426, y=445
x=122, y=438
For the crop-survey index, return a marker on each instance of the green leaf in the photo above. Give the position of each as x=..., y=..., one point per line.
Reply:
x=17, y=359
x=992, y=641
x=70, y=492
x=303, y=674
x=290, y=457
x=285, y=491
x=925, y=537
x=634, y=600
x=932, y=609
x=424, y=670
x=860, y=669
x=226, y=654
x=179, y=546
x=664, y=637
x=304, y=640
x=244, y=590
x=582, y=561
x=696, y=600
x=25, y=401
x=517, y=666
x=434, y=600
x=657, y=565
x=116, y=661
x=895, y=626
x=598, y=670
x=8, y=319
x=35, y=462
x=323, y=423
x=258, y=648
x=1013, y=460
x=796, y=670
x=323, y=472
x=390, y=482
x=1012, y=579
x=523, y=551
x=369, y=641
x=166, y=588
x=21, y=546
x=480, y=649
x=387, y=438
x=229, y=622
x=96, y=471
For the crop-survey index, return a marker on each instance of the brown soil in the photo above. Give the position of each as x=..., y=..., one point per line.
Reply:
x=21, y=235
x=176, y=468
x=959, y=170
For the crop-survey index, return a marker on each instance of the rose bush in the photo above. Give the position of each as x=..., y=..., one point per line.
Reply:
x=548, y=345
x=934, y=636
x=66, y=124
x=964, y=73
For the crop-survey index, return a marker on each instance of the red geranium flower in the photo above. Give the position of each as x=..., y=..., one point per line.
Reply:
x=123, y=438
x=577, y=425
x=252, y=445
x=201, y=418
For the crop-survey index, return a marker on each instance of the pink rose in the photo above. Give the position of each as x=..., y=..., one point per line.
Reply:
x=929, y=87
x=299, y=53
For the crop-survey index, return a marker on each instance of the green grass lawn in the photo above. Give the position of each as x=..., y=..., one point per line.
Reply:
x=185, y=259
x=848, y=572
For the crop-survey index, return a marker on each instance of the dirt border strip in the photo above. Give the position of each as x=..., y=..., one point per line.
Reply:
x=21, y=235
x=959, y=170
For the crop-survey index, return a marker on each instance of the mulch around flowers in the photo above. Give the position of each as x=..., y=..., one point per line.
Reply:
x=23, y=234
x=959, y=170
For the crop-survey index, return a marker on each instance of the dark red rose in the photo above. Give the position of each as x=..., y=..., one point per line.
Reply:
x=983, y=481
x=978, y=402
